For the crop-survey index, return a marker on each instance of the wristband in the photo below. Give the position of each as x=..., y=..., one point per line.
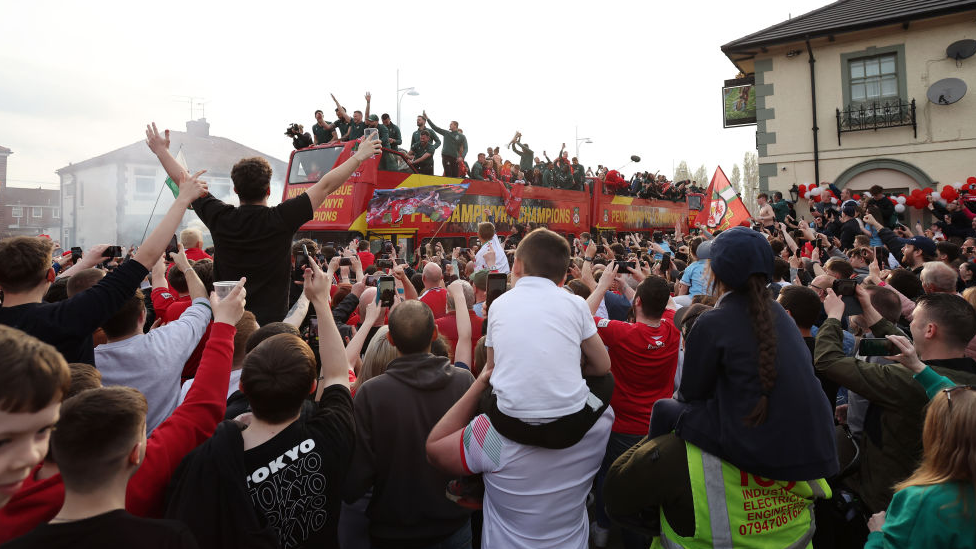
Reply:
x=188, y=269
x=587, y=258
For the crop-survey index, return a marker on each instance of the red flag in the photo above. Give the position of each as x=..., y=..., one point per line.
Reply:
x=512, y=199
x=723, y=206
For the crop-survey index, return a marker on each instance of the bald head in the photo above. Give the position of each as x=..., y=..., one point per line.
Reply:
x=433, y=275
x=412, y=327
x=369, y=296
x=821, y=283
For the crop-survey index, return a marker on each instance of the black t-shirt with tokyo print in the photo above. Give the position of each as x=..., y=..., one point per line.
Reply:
x=294, y=478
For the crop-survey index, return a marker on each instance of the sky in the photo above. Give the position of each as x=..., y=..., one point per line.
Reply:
x=634, y=77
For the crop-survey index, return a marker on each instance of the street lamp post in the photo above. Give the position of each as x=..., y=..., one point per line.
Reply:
x=580, y=140
x=406, y=91
x=400, y=93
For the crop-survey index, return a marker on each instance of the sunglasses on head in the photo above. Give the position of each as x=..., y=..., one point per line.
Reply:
x=948, y=393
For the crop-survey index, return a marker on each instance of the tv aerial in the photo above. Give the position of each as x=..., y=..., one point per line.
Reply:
x=946, y=91
x=961, y=49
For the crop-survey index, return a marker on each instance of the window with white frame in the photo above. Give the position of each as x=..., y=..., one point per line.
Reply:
x=874, y=79
x=55, y=213
x=37, y=212
x=145, y=179
x=17, y=211
x=220, y=187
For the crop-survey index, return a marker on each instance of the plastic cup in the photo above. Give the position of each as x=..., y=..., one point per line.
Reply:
x=224, y=288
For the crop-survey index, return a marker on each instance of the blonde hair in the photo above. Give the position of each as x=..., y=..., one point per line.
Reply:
x=190, y=237
x=969, y=294
x=379, y=353
x=949, y=442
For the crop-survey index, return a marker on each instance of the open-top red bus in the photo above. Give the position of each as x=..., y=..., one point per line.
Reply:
x=346, y=213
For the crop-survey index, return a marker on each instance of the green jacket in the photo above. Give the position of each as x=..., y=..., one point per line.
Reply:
x=476, y=171
x=395, y=140
x=455, y=144
x=892, y=451
x=781, y=209
x=436, y=141
x=929, y=517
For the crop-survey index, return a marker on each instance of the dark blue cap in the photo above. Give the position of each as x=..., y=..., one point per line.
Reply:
x=738, y=253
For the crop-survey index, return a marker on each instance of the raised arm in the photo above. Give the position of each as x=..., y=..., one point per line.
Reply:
x=444, y=442
x=369, y=96
x=159, y=145
x=409, y=291
x=338, y=175
x=596, y=296
x=335, y=369
x=296, y=315
x=462, y=353
x=433, y=126
x=355, y=347
x=191, y=188
x=342, y=111
x=87, y=261
x=193, y=283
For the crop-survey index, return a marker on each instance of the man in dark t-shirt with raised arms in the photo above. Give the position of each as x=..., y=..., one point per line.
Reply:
x=253, y=239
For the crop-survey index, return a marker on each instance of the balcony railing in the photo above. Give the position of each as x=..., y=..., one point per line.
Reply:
x=876, y=115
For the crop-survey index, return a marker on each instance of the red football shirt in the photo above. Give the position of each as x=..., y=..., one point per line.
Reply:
x=366, y=258
x=196, y=254
x=643, y=360
x=447, y=326
x=436, y=299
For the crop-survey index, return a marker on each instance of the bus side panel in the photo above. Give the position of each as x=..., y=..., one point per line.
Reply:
x=343, y=210
x=628, y=214
x=560, y=211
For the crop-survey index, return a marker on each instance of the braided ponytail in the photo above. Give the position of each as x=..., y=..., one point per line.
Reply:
x=762, y=326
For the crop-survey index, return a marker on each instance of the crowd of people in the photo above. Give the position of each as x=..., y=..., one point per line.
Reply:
x=528, y=169
x=790, y=384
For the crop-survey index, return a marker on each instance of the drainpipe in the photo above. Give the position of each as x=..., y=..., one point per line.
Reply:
x=813, y=101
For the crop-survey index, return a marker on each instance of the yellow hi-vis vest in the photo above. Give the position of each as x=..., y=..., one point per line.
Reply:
x=735, y=509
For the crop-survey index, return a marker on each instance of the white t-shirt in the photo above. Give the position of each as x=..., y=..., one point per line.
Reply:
x=535, y=330
x=501, y=262
x=232, y=387
x=534, y=497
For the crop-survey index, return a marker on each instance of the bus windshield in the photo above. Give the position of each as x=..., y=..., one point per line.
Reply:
x=694, y=202
x=309, y=166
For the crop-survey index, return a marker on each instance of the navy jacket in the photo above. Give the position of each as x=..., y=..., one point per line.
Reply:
x=720, y=384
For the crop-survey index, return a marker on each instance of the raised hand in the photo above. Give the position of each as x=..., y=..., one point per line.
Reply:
x=318, y=284
x=180, y=260
x=907, y=355
x=369, y=148
x=191, y=188
x=157, y=143
x=230, y=309
x=368, y=96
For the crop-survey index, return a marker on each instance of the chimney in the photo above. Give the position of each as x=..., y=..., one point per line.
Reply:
x=4, y=153
x=198, y=128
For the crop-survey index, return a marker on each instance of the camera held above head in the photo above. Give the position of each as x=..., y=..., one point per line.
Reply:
x=300, y=139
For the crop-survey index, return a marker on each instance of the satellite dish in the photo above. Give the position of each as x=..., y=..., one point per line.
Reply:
x=961, y=49
x=946, y=91
x=634, y=158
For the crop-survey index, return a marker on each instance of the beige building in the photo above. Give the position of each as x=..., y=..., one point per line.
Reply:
x=841, y=95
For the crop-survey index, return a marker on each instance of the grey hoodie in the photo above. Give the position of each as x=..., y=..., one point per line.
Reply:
x=394, y=414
